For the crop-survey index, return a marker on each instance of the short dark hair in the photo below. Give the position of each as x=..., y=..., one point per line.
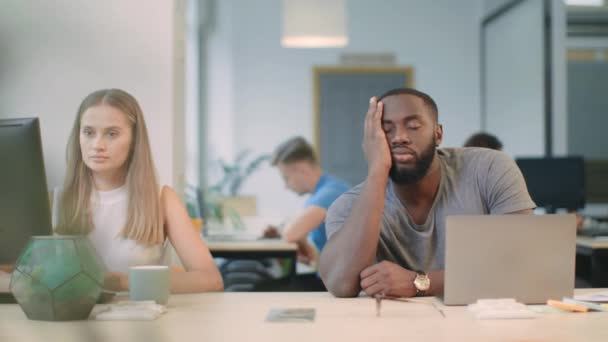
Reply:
x=293, y=150
x=482, y=139
x=428, y=101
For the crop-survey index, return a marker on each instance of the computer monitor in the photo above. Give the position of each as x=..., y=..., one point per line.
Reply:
x=24, y=200
x=596, y=178
x=555, y=183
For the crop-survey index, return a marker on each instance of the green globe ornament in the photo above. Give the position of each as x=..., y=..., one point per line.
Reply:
x=58, y=278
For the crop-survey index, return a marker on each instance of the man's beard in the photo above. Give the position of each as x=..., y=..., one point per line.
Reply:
x=411, y=176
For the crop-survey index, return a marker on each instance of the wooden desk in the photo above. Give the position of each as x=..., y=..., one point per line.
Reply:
x=592, y=260
x=241, y=317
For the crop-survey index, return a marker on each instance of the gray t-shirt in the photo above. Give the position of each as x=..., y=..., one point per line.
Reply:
x=474, y=181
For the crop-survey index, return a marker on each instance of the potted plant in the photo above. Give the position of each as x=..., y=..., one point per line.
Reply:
x=225, y=204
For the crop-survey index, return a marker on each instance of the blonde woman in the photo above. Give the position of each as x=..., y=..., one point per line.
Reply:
x=111, y=194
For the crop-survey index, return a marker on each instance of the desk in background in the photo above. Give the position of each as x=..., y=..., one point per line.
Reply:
x=255, y=250
x=592, y=260
x=241, y=317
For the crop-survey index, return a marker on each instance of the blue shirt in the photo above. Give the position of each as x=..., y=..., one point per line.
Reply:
x=327, y=190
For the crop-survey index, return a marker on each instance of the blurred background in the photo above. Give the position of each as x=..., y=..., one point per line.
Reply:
x=221, y=83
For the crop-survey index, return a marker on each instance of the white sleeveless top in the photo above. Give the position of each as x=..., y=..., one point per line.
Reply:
x=109, y=217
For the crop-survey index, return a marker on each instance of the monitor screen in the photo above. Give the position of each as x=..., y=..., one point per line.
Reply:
x=596, y=178
x=555, y=183
x=24, y=200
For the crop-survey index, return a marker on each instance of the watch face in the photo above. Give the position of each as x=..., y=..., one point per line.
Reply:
x=422, y=282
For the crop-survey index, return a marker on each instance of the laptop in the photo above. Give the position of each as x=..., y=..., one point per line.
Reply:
x=529, y=258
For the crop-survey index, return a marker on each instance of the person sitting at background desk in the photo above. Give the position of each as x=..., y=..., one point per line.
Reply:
x=110, y=193
x=386, y=235
x=487, y=140
x=302, y=174
x=482, y=139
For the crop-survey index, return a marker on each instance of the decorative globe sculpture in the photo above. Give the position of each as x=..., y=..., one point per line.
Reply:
x=58, y=278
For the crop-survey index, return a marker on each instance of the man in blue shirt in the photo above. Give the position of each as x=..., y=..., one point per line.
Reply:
x=298, y=165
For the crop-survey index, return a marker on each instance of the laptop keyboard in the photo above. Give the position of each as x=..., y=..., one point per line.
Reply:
x=232, y=237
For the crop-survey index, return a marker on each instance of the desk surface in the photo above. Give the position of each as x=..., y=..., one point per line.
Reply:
x=241, y=317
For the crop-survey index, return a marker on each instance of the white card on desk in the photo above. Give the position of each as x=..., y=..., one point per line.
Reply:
x=598, y=297
x=291, y=315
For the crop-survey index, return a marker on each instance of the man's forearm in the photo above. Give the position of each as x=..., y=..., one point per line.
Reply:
x=353, y=247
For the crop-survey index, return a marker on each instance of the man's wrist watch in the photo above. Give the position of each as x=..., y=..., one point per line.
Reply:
x=422, y=283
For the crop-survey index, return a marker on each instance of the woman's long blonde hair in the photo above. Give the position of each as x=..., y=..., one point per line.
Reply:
x=144, y=216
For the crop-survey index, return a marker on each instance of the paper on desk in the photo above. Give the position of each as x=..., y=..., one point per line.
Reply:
x=501, y=308
x=130, y=311
x=546, y=309
x=598, y=297
x=291, y=315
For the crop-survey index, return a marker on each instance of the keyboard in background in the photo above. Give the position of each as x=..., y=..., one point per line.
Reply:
x=232, y=237
x=594, y=231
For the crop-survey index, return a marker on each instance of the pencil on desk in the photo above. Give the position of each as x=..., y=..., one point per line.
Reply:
x=590, y=306
x=378, y=304
x=566, y=306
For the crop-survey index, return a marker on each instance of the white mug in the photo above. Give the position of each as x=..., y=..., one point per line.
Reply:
x=149, y=283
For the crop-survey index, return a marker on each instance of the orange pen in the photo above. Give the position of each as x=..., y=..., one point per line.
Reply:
x=566, y=306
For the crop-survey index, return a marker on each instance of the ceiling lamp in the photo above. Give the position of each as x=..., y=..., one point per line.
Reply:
x=314, y=24
x=585, y=2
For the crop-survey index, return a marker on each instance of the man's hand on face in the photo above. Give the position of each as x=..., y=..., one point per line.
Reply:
x=375, y=147
x=388, y=279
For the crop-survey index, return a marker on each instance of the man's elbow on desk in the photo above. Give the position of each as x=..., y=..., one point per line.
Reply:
x=343, y=290
x=337, y=285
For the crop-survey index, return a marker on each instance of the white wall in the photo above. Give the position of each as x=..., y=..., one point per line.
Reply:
x=54, y=53
x=514, y=79
x=559, y=73
x=221, y=35
x=192, y=110
x=269, y=89
x=515, y=76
